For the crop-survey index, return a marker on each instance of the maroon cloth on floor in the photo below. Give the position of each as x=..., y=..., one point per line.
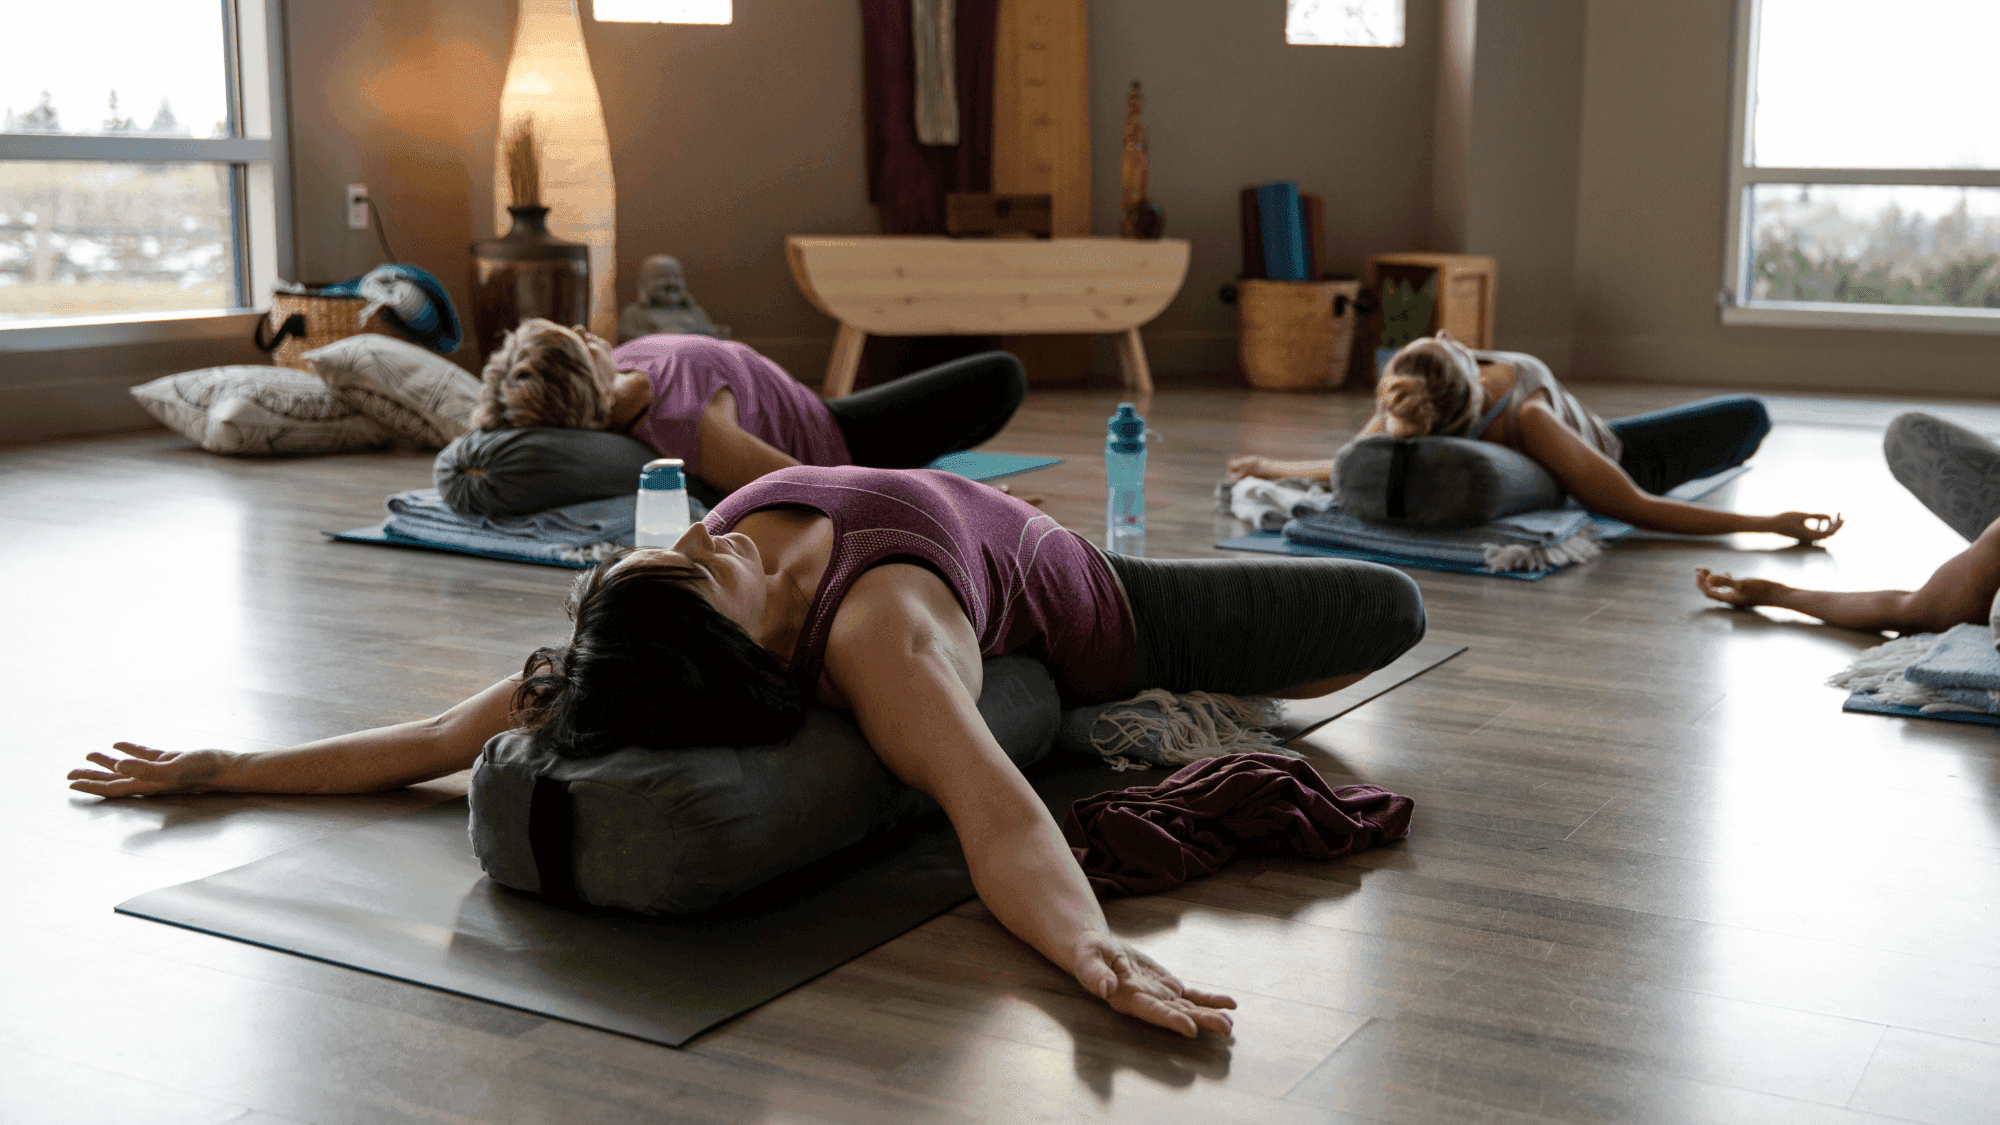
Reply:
x=1155, y=837
x=907, y=179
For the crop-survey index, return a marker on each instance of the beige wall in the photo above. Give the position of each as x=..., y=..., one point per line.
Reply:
x=726, y=139
x=1650, y=188
x=1229, y=104
x=1521, y=194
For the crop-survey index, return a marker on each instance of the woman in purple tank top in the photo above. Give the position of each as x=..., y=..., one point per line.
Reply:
x=880, y=592
x=733, y=415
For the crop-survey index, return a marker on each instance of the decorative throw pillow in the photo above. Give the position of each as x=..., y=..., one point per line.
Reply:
x=411, y=390
x=259, y=410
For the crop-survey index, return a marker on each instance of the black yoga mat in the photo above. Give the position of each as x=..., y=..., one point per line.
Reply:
x=406, y=899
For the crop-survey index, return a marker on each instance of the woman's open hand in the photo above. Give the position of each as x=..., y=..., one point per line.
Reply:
x=1136, y=985
x=1739, y=592
x=1247, y=465
x=147, y=772
x=1806, y=527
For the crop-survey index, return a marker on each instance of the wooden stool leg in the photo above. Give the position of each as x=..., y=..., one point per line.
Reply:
x=846, y=361
x=1132, y=362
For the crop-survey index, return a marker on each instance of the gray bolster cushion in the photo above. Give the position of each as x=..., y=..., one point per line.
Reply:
x=1438, y=483
x=678, y=831
x=521, y=472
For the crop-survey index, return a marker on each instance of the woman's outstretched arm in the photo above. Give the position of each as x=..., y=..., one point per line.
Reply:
x=1961, y=592
x=368, y=761
x=1598, y=483
x=907, y=660
x=1266, y=468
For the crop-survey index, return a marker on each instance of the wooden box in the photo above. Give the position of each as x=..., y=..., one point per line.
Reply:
x=1463, y=304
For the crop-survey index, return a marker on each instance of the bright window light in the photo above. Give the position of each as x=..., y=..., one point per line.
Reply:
x=662, y=11
x=1866, y=187
x=1862, y=84
x=1344, y=23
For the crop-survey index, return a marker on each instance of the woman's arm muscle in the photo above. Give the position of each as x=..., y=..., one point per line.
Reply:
x=366, y=761
x=904, y=655
x=731, y=457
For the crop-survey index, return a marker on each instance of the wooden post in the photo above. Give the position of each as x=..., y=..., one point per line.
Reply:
x=1132, y=362
x=845, y=362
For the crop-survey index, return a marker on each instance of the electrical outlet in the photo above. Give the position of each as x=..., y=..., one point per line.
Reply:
x=357, y=206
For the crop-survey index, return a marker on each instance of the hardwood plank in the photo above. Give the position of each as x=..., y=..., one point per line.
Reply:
x=1655, y=874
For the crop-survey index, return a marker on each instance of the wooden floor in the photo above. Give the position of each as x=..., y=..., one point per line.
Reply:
x=1656, y=875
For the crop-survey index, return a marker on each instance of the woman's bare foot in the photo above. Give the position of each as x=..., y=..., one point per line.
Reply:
x=1739, y=592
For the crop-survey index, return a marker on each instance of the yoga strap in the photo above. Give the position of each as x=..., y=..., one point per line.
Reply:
x=1399, y=471
x=551, y=832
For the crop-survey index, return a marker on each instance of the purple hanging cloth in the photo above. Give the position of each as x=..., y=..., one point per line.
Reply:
x=908, y=180
x=1153, y=838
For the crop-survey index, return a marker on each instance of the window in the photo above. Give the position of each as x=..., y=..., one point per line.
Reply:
x=1344, y=23
x=662, y=11
x=140, y=165
x=1865, y=188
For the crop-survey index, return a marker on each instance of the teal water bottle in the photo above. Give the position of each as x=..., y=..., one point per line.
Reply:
x=1125, y=466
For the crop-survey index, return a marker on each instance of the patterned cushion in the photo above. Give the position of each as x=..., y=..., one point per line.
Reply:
x=412, y=391
x=259, y=410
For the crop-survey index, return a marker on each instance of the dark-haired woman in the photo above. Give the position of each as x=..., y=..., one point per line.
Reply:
x=733, y=415
x=880, y=591
x=1437, y=385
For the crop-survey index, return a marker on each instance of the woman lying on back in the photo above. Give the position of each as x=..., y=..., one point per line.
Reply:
x=880, y=591
x=1437, y=386
x=731, y=414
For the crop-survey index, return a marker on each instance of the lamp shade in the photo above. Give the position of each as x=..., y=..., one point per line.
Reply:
x=549, y=80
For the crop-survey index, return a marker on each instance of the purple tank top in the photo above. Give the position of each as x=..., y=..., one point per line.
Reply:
x=687, y=371
x=1028, y=585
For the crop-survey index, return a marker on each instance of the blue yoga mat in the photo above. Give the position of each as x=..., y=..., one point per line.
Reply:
x=973, y=466
x=990, y=466
x=1868, y=705
x=1608, y=530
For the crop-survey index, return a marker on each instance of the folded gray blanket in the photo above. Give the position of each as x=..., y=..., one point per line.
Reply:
x=578, y=533
x=1524, y=541
x=1305, y=511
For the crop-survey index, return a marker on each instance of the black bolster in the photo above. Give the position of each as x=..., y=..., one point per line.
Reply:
x=551, y=832
x=1399, y=471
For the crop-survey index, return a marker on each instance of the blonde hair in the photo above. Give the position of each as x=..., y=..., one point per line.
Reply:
x=1431, y=387
x=541, y=375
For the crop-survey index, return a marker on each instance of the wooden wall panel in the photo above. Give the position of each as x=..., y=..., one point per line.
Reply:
x=1041, y=142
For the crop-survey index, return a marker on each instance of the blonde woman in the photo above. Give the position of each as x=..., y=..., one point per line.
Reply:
x=1437, y=386
x=730, y=413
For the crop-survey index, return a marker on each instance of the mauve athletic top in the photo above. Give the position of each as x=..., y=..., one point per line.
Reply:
x=1028, y=585
x=687, y=371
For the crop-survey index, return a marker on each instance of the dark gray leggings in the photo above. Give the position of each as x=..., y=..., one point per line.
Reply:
x=1255, y=626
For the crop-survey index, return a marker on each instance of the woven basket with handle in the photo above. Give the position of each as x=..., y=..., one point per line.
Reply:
x=1295, y=335
x=300, y=322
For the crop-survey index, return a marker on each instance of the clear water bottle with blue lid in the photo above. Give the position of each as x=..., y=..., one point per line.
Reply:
x=1125, y=466
x=662, y=517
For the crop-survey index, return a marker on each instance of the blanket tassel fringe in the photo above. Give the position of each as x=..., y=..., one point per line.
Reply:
x=1187, y=728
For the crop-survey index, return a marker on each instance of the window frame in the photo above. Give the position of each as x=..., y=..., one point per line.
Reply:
x=1743, y=176
x=254, y=63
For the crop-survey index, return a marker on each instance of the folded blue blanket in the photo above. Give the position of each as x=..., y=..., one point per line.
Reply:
x=1524, y=541
x=578, y=533
x=1964, y=657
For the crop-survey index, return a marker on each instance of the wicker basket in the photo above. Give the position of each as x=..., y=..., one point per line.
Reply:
x=300, y=322
x=1295, y=335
